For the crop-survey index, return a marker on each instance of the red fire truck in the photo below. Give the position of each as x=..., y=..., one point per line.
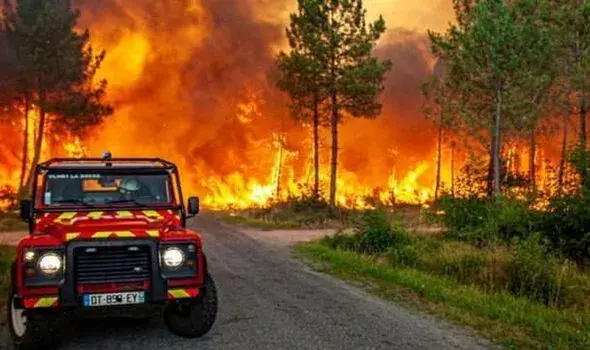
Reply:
x=107, y=233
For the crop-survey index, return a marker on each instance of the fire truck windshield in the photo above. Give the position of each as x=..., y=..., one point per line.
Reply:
x=67, y=188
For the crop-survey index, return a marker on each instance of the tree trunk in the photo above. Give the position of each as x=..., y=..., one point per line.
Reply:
x=438, y=157
x=582, y=107
x=563, y=152
x=490, y=177
x=279, y=169
x=453, y=169
x=532, y=169
x=334, y=168
x=583, y=142
x=316, y=146
x=496, y=144
x=25, y=149
x=38, y=145
x=334, y=118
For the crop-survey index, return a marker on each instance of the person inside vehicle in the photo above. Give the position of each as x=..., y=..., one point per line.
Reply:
x=129, y=188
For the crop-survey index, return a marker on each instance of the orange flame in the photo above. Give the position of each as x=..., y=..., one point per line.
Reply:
x=192, y=87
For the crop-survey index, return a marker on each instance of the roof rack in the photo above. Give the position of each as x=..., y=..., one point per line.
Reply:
x=107, y=162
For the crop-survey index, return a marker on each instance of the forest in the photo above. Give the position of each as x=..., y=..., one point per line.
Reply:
x=507, y=75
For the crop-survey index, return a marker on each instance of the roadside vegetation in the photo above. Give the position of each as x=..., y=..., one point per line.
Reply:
x=518, y=275
x=7, y=254
x=302, y=212
x=11, y=222
x=9, y=218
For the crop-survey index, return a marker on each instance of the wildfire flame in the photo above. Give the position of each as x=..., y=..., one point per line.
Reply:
x=189, y=81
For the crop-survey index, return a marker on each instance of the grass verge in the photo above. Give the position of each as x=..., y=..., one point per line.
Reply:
x=245, y=221
x=505, y=319
x=11, y=222
x=7, y=254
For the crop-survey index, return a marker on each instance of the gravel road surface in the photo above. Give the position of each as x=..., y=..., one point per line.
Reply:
x=269, y=300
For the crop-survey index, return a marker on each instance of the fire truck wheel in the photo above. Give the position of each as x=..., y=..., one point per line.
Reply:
x=32, y=329
x=193, y=318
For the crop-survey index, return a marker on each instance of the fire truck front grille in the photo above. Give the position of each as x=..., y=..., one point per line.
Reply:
x=112, y=264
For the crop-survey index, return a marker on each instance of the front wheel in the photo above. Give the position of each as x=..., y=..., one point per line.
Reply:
x=31, y=329
x=193, y=318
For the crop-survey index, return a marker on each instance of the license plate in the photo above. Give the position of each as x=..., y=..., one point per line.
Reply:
x=111, y=299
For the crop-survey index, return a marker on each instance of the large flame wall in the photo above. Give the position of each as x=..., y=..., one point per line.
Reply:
x=190, y=81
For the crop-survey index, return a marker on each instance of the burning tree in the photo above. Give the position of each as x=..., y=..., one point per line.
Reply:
x=497, y=59
x=49, y=74
x=571, y=23
x=300, y=77
x=331, y=63
x=439, y=108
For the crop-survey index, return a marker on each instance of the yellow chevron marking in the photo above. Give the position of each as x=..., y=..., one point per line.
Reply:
x=66, y=216
x=46, y=302
x=122, y=234
x=152, y=214
x=37, y=221
x=124, y=214
x=73, y=235
x=107, y=234
x=153, y=233
x=103, y=234
x=179, y=293
x=95, y=215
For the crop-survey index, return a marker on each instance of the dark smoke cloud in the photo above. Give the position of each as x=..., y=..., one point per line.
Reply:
x=193, y=107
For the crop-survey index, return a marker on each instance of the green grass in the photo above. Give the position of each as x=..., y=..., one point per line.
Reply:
x=7, y=254
x=11, y=222
x=245, y=221
x=507, y=320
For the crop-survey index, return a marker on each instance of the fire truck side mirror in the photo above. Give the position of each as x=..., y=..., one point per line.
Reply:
x=193, y=205
x=25, y=209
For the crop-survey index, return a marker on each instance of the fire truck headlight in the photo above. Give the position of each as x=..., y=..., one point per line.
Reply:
x=173, y=257
x=49, y=264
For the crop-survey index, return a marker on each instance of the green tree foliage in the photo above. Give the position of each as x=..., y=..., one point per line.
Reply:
x=300, y=75
x=333, y=43
x=439, y=108
x=54, y=66
x=570, y=20
x=496, y=56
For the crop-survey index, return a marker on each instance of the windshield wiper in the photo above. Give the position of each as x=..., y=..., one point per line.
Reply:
x=134, y=201
x=73, y=201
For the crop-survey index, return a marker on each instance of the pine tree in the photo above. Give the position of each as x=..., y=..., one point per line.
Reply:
x=571, y=20
x=494, y=54
x=439, y=107
x=335, y=46
x=301, y=75
x=55, y=66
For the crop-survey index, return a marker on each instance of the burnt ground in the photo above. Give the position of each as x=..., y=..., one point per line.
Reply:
x=269, y=300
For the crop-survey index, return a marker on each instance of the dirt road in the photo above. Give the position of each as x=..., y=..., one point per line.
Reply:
x=269, y=300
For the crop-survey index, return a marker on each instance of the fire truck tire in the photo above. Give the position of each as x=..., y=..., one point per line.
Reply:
x=193, y=318
x=32, y=329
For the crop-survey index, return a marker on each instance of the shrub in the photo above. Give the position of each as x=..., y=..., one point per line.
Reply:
x=567, y=226
x=407, y=255
x=342, y=240
x=376, y=234
x=455, y=259
x=10, y=222
x=486, y=268
x=514, y=218
x=413, y=253
x=538, y=274
x=480, y=220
